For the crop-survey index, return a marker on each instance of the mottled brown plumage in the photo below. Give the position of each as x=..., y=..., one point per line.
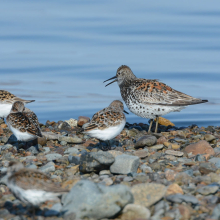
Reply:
x=107, y=123
x=150, y=98
x=110, y=116
x=20, y=122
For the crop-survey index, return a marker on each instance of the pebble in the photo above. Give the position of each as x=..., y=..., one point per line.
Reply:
x=53, y=156
x=157, y=147
x=183, y=162
x=72, y=122
x=179, y=198
x=141, y=153
x=207, y=190
x=147, y=194
x=49, y=167
x=216, y=161
x=209, y=137
x=133, y=211
x=95, y=161
x=125, y=164
x=174, y=189
x=88, y=199
x=174, y=153
x=71, y=150
x=82, y=120
x=72, y=140
x=201, y=147
x=146, y=141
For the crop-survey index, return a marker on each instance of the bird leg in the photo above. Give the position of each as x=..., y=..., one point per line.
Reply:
x=157, y=120
x=149, y=130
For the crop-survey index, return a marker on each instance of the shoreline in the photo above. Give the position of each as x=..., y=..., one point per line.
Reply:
x=174, y=174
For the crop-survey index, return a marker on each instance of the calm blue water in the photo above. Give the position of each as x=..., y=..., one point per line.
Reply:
x=60, y=52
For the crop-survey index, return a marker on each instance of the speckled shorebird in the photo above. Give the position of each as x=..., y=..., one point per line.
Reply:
x=24, y=125
x=150, y=98
x=107, y=123
x=31, y=186
x=6, y=101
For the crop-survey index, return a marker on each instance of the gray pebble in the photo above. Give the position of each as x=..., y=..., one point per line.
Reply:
x=53, y=156
x=49, y=167
x=125, y=164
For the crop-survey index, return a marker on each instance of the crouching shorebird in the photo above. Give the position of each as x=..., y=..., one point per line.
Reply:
x=150, y=98
x=107, y=123
x=6, y=101
x=24, y=125
x=31, y=186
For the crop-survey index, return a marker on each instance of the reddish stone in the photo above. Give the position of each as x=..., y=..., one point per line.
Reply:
x=82, y=120
x=161, y=140
x=89, y=143
x=184, y=211
x=141, y=153
x=201, y=147
x=174, y=189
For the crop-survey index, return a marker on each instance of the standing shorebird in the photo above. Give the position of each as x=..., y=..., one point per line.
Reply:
x=107, y=123
x=31, y=186
x=150, y=98
x=6, y=101
x=24, y=125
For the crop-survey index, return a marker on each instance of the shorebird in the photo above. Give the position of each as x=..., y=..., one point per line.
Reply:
x=6, y=101
x=31, y=186
x=107, y=123
x=24, y=125
x=149, y=98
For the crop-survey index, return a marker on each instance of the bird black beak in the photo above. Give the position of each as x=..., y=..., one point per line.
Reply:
x=115, y=77
x=126, y=112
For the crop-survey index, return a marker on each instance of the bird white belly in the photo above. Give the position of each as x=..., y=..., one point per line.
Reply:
x=5, y=110
x=21, y=136
x=108, y=133
x=32, y=196
x=151, y=111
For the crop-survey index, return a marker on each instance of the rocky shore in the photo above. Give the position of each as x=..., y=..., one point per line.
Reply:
x=172, y=175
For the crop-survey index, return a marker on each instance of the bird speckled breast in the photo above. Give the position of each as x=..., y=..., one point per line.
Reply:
x=146, y=98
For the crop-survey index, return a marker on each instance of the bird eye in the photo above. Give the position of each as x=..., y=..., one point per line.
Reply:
x=119, y=73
